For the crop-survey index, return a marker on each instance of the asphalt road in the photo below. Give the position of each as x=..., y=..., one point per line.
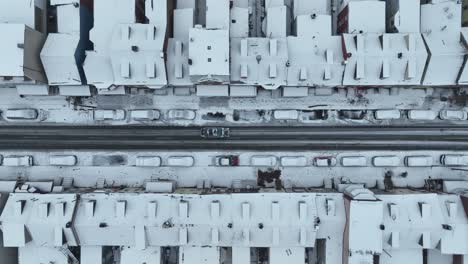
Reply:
x=248, y=138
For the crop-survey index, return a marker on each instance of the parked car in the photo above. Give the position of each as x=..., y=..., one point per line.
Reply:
x=352, y=114
x=21, y=114
x=293, y=161
x=109, y=115
x=428, y=115
x=215, y=132
x=454, y=160
x=227, y=161
x=147, y=161
x=312, y=115
x=145, y=115
x=62, y=160
x=181, y=114
x=386, y=161
x=18, y=161
x=286, y=114
x=354, y=161
x=181, y=161
x=387, y=114
x=455, y=115
x=324, y=161
x=263, y=161
x=418, y=161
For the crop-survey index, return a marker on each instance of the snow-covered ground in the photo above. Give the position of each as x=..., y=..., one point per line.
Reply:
x=119, y=169
x=239, y=111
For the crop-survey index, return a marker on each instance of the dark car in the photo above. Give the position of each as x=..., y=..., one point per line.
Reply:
x=215, y=132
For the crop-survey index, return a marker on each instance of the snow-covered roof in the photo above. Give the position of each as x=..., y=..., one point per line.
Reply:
x=362, y=17
x=239, y=27
x=259, y=61
x=315, y=61
x=446, y=60
x=177, y=51
x=384, y=59
x=150, y=255
x=24, y=12
x=196, y=255
x=444, y=38
x=21, y=50
x=58, y=58
x=201, y=224
x=33, y=255
x=43, y=220
x=448, y=22
x=126, y=53
x=414, y=221
x=143, y=220
x=108, y=14
x=177, y=63
x=403, y=16
x=157, y=12
x=217, y=14
x=311, y=25
x=10, y=49
x=307, y=7
x=202, y=54
x=403, y=224
x=277, y=22
x=364, y=233
x=209, y=55
x=68, y=16
x=137, y=55
x=98, y=70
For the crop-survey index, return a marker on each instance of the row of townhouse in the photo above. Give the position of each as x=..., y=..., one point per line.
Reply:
x=348, y=225
x=215, y=45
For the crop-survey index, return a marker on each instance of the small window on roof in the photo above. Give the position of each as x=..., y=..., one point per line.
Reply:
x=209, y=59
x=208, y=47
